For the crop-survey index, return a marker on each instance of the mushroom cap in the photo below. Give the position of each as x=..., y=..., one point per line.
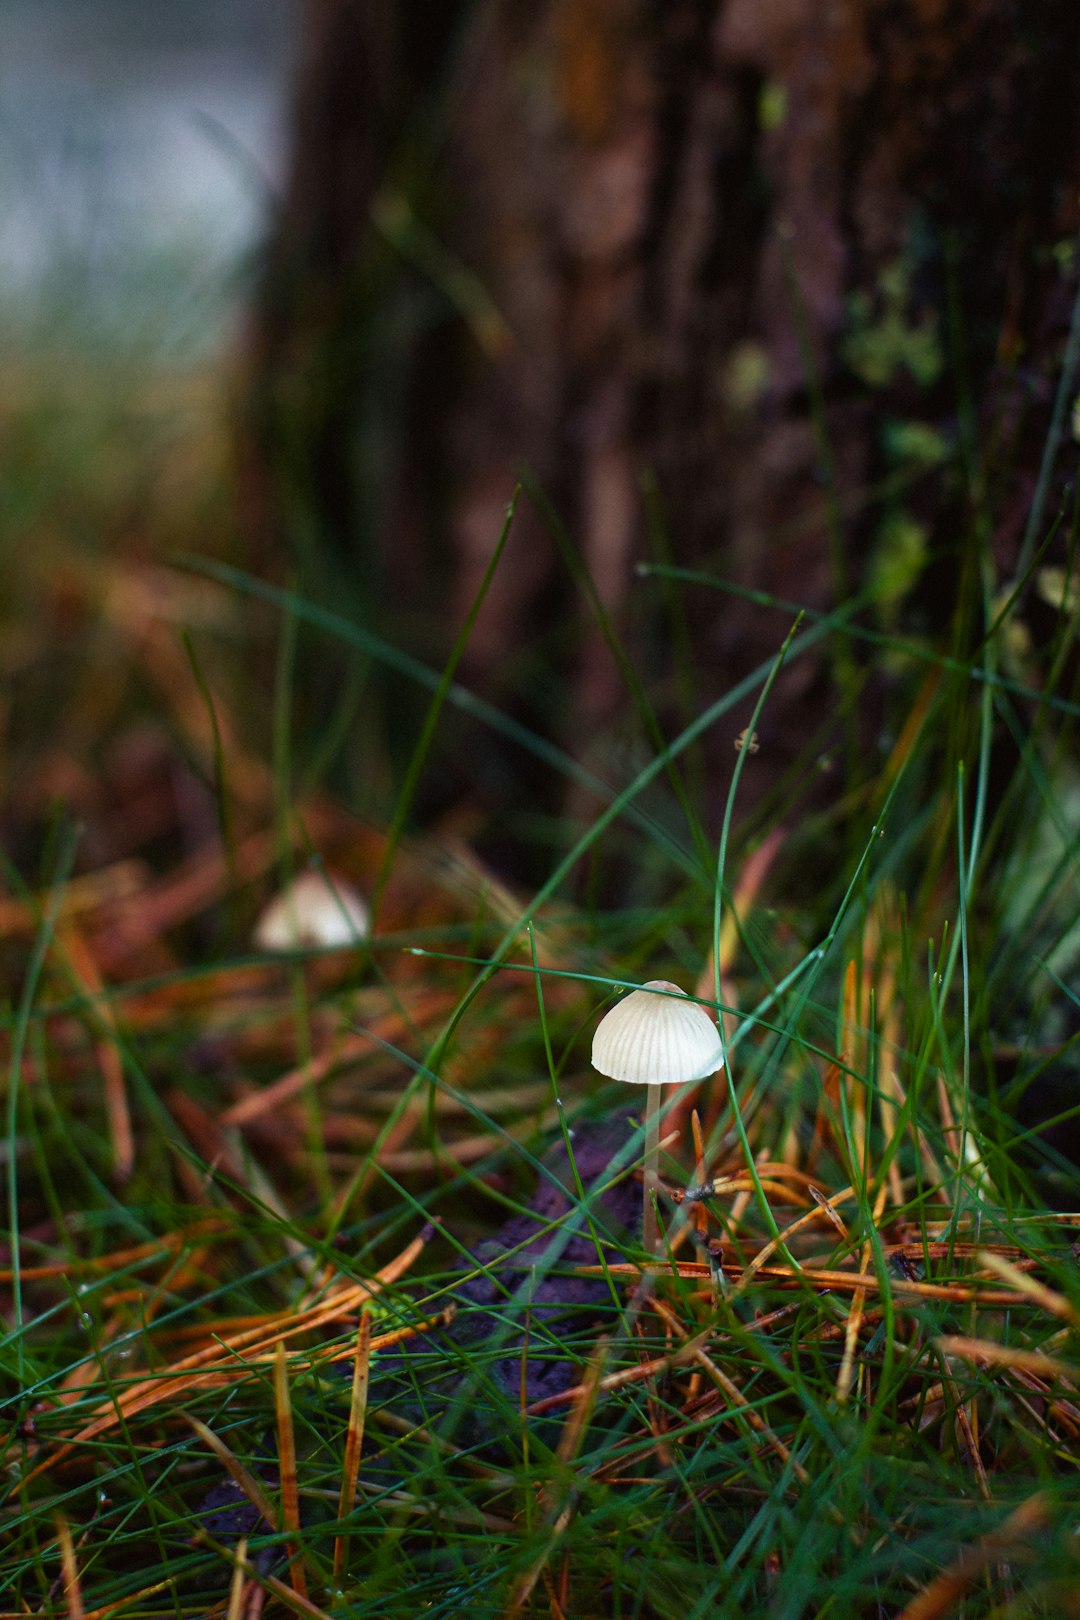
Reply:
x=316, y=909
x=657, y=1040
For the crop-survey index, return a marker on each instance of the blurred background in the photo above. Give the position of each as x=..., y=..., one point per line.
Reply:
x=307, y=287
x=143, y=148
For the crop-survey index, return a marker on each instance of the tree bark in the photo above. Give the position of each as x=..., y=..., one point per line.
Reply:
x=792, y=262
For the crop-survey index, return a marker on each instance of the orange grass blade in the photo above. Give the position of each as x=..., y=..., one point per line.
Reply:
x=771, y=1247
x=84, y=893
x=846, y=1376
x=854, y=1056
x=256, y=1603
x=1003, y=1355
x=116, y=1259
x=734, y=1394
x=524, y=1588
x=190, y=888
x=236, y=1584
x=1056, y=1304
x=270, y=1583
x=72, y=1585
x=827, y=1109
x=290, y=1495
x=967, y=1422
x=946, y=1589
x=573, y=1433
x=783, y=1276
x=932, y=1171
x=826, y=1207
x=88, y=977
x=950, y=1134
x=752, y=875
x=125, y=1605
x=558, y=1609
x=354, y=1439
x=889, y=1096
x=151, y=1392
x=220, y=1363
x=391, y=1028
x=699, y=1215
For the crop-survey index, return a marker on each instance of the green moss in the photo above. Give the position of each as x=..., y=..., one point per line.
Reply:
x=886, y=335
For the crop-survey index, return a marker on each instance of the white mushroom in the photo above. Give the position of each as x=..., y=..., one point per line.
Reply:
x=314, y=910
x=654, y=1037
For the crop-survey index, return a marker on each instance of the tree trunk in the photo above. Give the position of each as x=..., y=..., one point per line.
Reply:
x=787, y=263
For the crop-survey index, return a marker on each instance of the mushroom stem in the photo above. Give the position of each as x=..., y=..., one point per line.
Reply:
x=650, y=1235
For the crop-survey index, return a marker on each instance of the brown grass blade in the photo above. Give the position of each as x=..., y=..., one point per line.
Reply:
x=241, y=1476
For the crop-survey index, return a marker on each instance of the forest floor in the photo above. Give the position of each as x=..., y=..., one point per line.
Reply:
x=325, y=1288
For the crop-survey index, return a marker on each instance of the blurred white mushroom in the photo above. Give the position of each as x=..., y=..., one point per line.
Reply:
x=656, y=1037
x=314, y=911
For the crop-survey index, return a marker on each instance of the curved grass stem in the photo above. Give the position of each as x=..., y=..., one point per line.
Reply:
x=650, y=1234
